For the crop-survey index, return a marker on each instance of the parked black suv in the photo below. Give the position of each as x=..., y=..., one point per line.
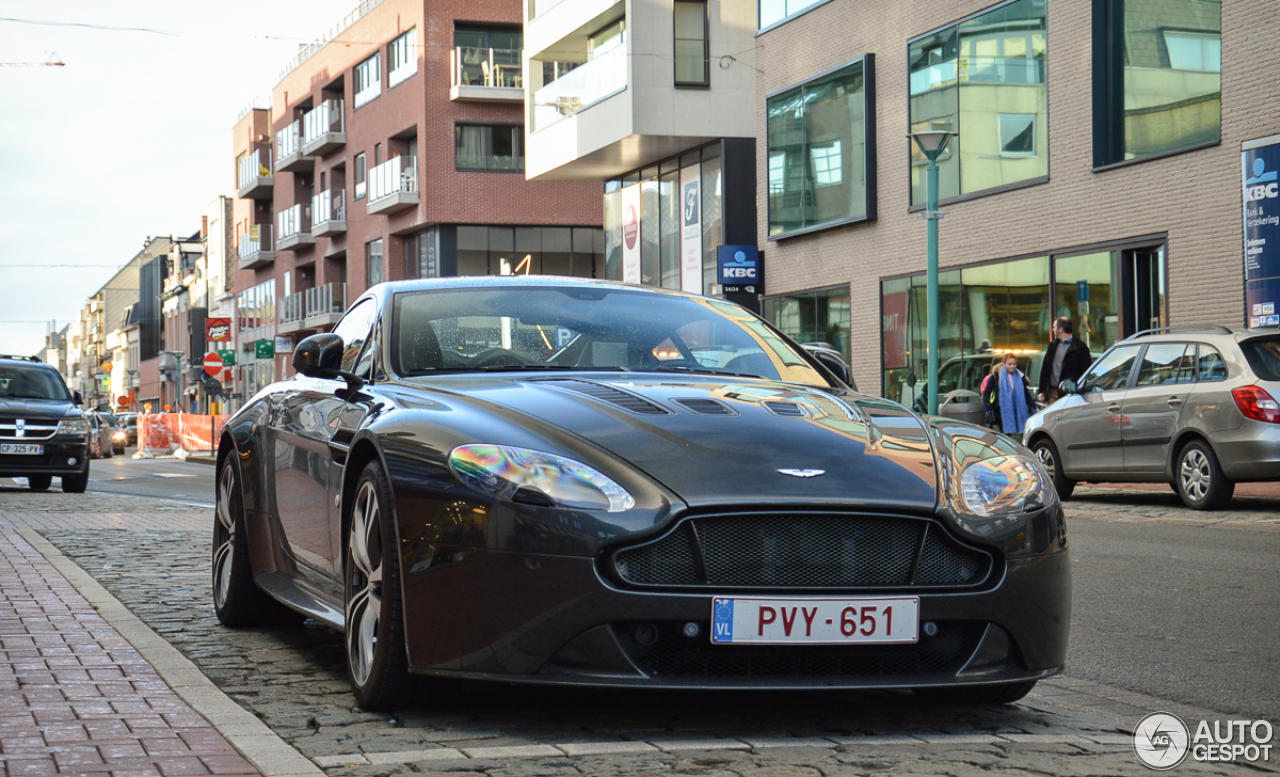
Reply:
x=42, y=432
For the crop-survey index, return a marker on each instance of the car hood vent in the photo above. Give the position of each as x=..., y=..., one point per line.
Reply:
x=615, y=396
x=785, y=409
x=704, y=406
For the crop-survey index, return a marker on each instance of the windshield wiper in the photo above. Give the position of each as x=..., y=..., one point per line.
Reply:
x=702, y=371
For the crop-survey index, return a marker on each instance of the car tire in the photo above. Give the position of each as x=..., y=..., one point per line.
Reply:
x=1047, y=453
x=39, y=482
x=237, y=600
x=1004, y=693
x=75, y=484
x=377, y=661
x=1199, y=479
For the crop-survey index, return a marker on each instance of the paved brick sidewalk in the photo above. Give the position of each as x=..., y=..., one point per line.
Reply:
x=76, y=698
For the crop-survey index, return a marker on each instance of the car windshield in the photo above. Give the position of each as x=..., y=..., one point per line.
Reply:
x=586, y=328
x=109, y=418
x=31, y=383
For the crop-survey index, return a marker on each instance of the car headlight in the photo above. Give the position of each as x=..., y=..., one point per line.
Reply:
x=1004, y=485
x=73, y=426
x=501, y=471
x=117, y=436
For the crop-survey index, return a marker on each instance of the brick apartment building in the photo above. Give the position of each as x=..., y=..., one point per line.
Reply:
x=393, y=149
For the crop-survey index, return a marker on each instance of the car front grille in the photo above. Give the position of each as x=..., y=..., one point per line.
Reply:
x=672, y=654
x=32, y=430
x=803, y=551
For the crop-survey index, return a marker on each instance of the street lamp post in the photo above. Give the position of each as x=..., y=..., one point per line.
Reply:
x=931, y=143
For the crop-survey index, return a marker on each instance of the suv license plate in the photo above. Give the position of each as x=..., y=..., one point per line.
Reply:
x=21, y=448
x=878, y=621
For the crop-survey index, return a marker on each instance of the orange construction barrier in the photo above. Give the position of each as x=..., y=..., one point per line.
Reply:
x=170, y=431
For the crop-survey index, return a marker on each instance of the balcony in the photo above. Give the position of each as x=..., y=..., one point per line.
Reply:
x=325, y=305
x=255, y=248
x=293, y=229
x=393, y=186
x=486, y=75
x=291, y=313
x=253, y=175
x=289, y=156
x=580, y=88
x=323, y=129
x=329, y=213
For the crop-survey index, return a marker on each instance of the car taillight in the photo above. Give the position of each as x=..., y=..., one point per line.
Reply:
x=1257, y=404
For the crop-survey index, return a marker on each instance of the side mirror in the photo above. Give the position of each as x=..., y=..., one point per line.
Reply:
x=76, y=398
x=319, y=356
x=831, y=362
x=1068, y=387
x=911, y=379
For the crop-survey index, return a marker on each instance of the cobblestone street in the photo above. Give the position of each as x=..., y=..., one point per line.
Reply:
x=153, y=557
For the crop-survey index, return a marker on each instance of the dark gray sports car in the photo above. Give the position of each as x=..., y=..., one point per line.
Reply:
x=562, y=481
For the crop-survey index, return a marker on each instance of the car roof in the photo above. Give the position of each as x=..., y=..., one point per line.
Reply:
x=384, y=291
x=1206, y=333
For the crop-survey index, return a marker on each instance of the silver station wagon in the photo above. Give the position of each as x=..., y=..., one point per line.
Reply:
x=1194, y=407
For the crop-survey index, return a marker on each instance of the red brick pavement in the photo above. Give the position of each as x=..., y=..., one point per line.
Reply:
x=76, y=698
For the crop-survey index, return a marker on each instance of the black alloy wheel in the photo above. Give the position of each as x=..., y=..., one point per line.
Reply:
x=1004, y=693
x=237, y=601
x=39, y=482
x=1198, y=478
x=1047, y=453
x=377, y=661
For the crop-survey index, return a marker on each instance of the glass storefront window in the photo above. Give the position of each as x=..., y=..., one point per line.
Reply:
x=985, y=79
x=818, y=151
x=712, y=221
x=818, y=316
x=1087, y=292
x=1158, y=72
x=650, y=231
x=570, y=251
x=669, y=243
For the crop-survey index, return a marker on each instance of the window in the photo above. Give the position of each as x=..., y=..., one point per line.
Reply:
x=488, y=56
x=606, y=39
x=490, y=147
x=354, y=329
x=360, y=171
x=373, y=254
x=821, y=159
x=1166, y=364
x=1157, y=85
x=1212, y=366
x=1112, y=371
x=990, y=70
x=771, y=12
x=693, y=66
x=817, y=316
x=368, y=79
x=403, y=58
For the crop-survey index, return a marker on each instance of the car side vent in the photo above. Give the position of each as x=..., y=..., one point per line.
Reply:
x=613, y=395
x=704, y=406
x=785, y=409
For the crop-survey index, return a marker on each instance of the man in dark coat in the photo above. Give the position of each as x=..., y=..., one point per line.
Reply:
x=1066, y=359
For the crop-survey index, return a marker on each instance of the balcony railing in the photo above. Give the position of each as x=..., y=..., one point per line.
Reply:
x=255, y=247
x=289, y=156
x=328, y=213
x=253, y=175
x=325, y=304
x=485, y=74
x=393, y=185
x=323, y=129
x=581, y=87
x=291, y=311
x=293, y=228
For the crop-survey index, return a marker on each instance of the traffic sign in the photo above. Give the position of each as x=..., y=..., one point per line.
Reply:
x=212, y=363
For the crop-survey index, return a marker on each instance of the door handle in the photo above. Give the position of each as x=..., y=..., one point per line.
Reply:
x=1174, y=401
x=1113, y=408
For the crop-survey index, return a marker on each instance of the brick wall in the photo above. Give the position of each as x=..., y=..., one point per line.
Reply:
x=1192, y=197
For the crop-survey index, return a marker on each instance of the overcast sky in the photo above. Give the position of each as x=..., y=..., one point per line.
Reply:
x=130, y=139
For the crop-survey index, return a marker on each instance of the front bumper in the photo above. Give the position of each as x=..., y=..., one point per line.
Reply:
x=551, y=619
x=53, y=461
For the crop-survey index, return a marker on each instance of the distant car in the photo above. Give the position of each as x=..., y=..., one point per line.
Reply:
x=832, y=359
x=119, y=437
x=1195, y=407
x=100, y=445
x=129, y=422
x=965, y=373
x=42, y=432
x=540, y=480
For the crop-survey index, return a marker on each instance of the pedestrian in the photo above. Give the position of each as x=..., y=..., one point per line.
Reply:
x=1067, y=358
x=988, y=409
x=1008, y=395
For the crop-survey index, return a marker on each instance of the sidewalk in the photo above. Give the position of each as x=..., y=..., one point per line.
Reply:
x=77, y=698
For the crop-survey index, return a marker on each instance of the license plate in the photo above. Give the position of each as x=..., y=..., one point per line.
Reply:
x=878, y=621
x=21, y=448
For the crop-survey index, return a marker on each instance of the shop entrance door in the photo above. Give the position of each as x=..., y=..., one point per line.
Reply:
x=1142, y=284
